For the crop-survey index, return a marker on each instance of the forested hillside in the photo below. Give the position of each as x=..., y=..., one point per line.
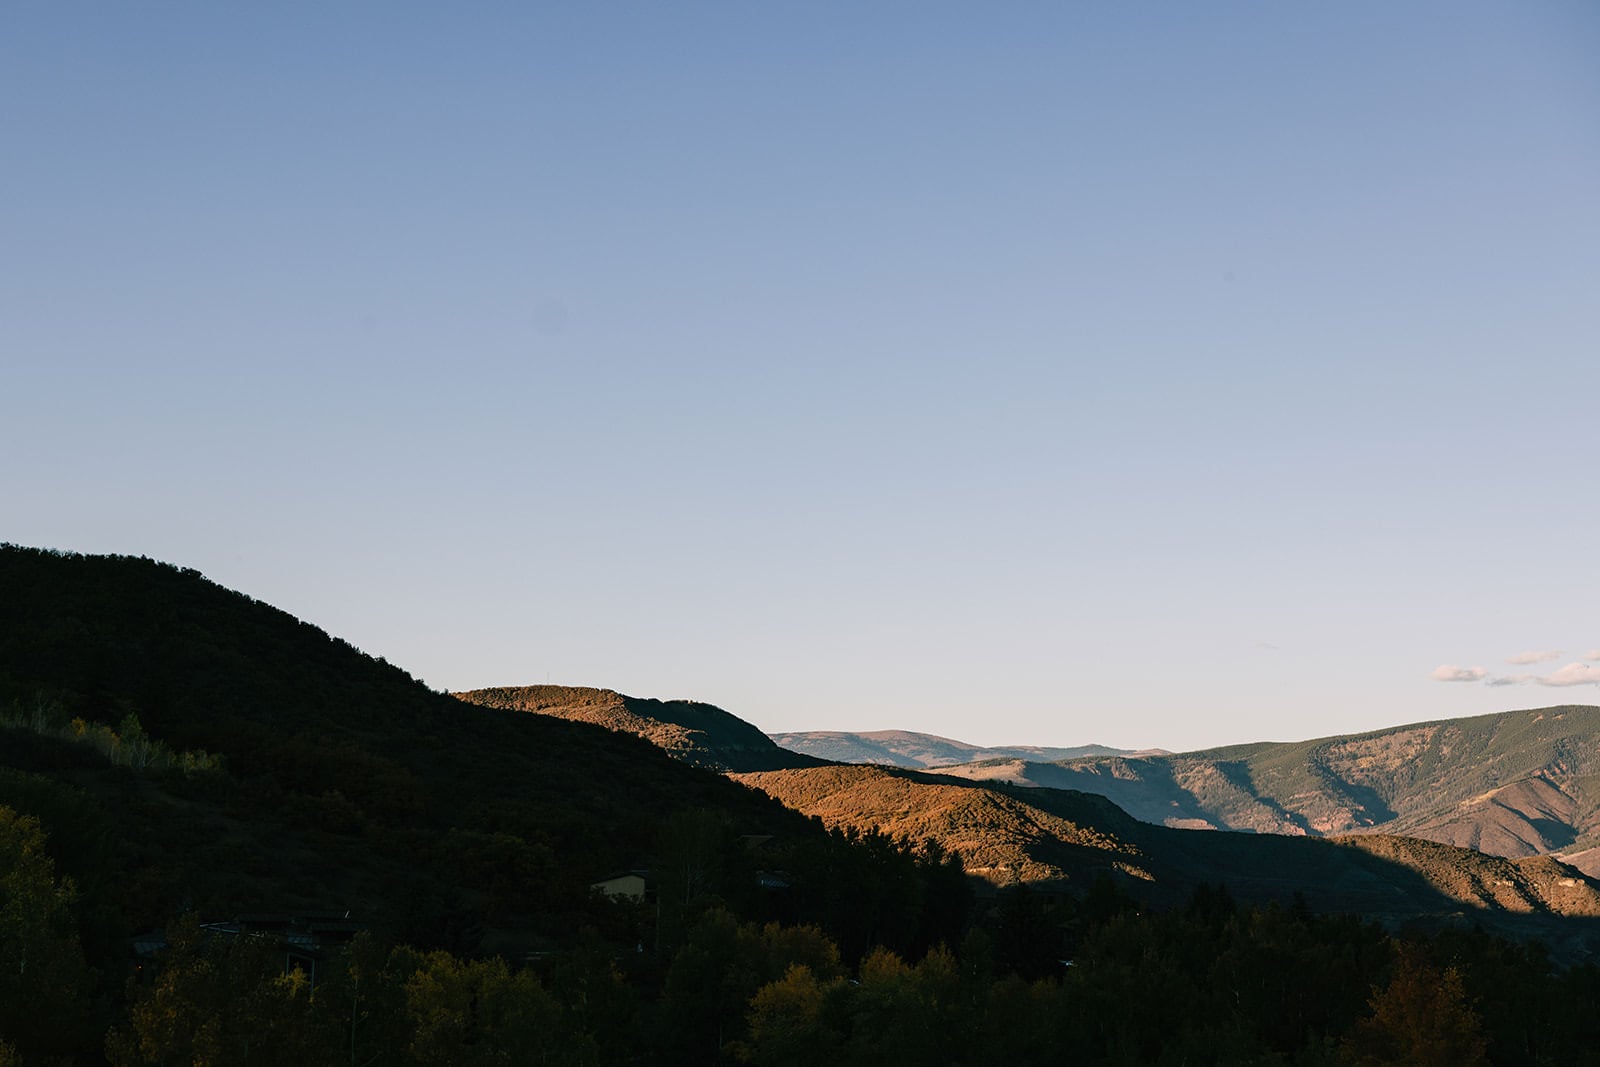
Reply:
x=178, y=748
x=335, y=762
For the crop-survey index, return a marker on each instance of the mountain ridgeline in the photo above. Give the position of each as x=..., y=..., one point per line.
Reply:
x=699, y=734
x=916, y=751
x=1513, y=784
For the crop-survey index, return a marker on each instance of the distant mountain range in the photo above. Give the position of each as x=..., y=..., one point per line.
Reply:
x=904, y=748
x=1519, y=783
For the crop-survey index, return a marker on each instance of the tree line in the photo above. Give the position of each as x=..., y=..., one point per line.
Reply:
x=1212, y=983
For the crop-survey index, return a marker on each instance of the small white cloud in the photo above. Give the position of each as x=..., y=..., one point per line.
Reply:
x=1572, y=674
x=1524, y=658
x=1445, y=672
x=1592, y=656
x=1510, y=679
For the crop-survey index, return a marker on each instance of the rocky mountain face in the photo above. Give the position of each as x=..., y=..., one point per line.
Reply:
x=1514, y=784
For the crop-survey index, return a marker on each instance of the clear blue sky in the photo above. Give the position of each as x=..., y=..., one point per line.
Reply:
x=1143, y=374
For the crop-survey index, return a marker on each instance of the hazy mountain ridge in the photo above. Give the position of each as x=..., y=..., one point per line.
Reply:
x=1512, y=784
x=912, y=750
x=696, y=733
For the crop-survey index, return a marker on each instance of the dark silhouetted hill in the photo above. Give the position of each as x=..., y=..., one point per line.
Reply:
x=346, y=783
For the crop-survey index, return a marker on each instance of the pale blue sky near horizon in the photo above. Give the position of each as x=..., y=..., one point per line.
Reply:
x=1164, y=376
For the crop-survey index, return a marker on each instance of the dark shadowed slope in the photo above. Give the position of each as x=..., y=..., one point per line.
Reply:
x=1518, y=783
x=348, y=784
x=700, y=734
x=905, y=748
